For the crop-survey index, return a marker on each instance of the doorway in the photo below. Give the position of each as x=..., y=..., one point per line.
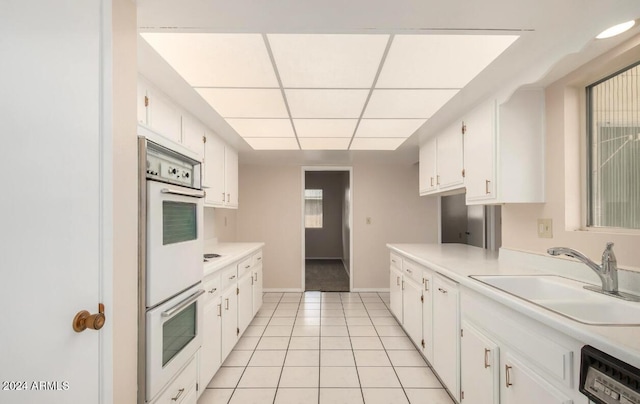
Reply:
x=326, y=232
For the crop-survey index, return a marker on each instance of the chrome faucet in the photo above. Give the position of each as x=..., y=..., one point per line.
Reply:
x=607, y=271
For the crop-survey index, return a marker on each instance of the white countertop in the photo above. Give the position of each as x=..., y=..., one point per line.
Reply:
x=459, y=261
x=229, y=253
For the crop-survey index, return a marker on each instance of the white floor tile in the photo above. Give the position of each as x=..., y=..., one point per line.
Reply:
x=285, y=313
x=371, y=306
x=417, y=377
x=247, y=343
x=384, y=321
x=355, y=313
x=377, y=377
x=260, y=377
x=335, y=343
x=288, y=306
x=371, y=358
x=304, y=343
x=252, y=396
x=406, y=358
x=303, y=358
x=296, y=396
x=340, y=396
x=226, y=378
x=384, y=396
x=278, y=330
x=358, y=321
x=366, y=343
x=390, y=330
x=254, y=331
x=308, y=313
x=268, y=358
x=333, y=321
x=282, y=321
x=306, y=330
x=428, y=396
x=331, y=306
x=329, y=357
x=309, y=305
x=299, y=377
x=265, y=313
x=362, y=331
x=403, y=343
x=260, y=321
x=301, y=320
x=276, y=343
x=215, y=396
x=378, y=313
x=238, y=358
x=331, y=313
x=334, y=331
x=338, y=377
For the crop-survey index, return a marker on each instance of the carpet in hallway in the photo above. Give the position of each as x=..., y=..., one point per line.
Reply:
x=326, y=276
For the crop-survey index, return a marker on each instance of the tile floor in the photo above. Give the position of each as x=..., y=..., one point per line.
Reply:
x=324, y=348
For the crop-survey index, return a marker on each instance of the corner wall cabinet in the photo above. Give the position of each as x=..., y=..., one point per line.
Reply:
x=442, y=161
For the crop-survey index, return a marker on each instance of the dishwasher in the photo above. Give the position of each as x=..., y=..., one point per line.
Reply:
x=608, y=380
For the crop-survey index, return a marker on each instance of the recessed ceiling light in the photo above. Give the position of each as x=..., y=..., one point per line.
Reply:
x=245, y=102
x=262, y=127
x=379, y=143
x=325, y=127
x=326, y=103
x=336, y=143
x=388, y=127
x=616, y=30
x=270, y=143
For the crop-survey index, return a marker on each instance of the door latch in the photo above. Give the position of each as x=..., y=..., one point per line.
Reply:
x=84, y=319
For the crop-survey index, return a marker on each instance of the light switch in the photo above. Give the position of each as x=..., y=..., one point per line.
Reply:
x=545, y=228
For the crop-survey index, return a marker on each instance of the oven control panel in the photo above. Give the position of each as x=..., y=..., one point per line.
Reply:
x=607, y=380
x=167, y=166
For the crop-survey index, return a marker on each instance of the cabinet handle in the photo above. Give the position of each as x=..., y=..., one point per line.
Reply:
x=426, y=284
x=408, y=270
x=507, y=375
x=431, y=181
x=486, y=358
x=397, y=281
x=486, y=186
x=394, y=261
x=437, y=180
x=442, y=290
x=247, y=267
x=259, y=259
x=213, y=290
x=232, y=277
x=219, y=310
x=223, y=197
x=226, y=304
x=228, y=197
x=256, y=277
x=402, y=285
x=178, y=395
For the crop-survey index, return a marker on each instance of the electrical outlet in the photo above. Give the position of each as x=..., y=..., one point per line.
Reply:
x=368, y=220
x=545, y=228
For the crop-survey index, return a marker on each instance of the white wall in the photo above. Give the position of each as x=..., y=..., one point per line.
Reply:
x=271, y=211
x=565, y=172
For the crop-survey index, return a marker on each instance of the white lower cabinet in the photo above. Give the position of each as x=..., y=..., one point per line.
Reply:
x=446, y=333
x=395, y=295
x=427, y=314
x=479, y=367
x=245, y=301
x=522, y=385
x=229, y=320
x=412, y=310
x=182, y=390
x=211, y=349
x=256, y=280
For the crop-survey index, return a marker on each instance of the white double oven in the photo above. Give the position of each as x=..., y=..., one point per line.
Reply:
x=171, y=235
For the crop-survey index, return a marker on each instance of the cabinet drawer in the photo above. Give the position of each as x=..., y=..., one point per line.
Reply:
x=244, y=266
x=181, y=387
x=396, y=261
x=211, y=286
x=229, y=276
x=257, y=258
x=412, y=271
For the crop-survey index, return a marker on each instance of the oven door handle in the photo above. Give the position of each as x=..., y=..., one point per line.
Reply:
x=194, y=194
x=182, y=304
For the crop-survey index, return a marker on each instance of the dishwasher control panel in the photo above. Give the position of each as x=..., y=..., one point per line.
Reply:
x=608, y=380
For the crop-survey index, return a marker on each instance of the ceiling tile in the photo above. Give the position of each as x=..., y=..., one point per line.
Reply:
x=311, y=143
x=326, y=103
x=262, y=127
x=325, y=127
x=273, y=143
x=245, y=103
x=327, y=60
x=406, y=103
x=388, y=127
x=439, y=61
x=216, y=60
x=379, y=143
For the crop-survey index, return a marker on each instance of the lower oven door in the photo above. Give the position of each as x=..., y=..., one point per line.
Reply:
x=173, y=337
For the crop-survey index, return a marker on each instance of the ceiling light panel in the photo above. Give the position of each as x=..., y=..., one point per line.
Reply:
x=268, y=143
x=245, y=102
x=327, y=61
x=311, y=143
x=325, y=127
x=388, y=127
x=216, y=60
x=439, y=61
x=406, y=103
x=380, y=143
x=326, y=103
x=262, y=127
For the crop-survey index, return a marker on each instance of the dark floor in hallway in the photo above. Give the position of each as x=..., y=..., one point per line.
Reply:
x=326, y=276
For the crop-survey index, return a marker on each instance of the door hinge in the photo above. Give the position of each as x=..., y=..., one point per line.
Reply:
x=461, y=395
x=464, y=128
x=204, y=139
x=237, y=291
x=423, y=344
x=237, y=331
x=197, y=387
x=461, y=333
x=463, y=173
x=422, y=298
x=146, y=101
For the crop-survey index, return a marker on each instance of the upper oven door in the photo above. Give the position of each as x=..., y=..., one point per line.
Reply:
x=174, y=240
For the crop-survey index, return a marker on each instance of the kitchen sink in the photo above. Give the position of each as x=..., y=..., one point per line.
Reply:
x=567, y=297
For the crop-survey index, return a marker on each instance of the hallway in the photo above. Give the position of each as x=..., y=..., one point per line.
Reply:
x=326, y=275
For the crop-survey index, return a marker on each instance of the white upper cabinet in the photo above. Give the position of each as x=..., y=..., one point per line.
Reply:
x=231, y=177
x=164, y=116
x=504, y=158
x=441, y=161
x=214, y=170
x=193, y=134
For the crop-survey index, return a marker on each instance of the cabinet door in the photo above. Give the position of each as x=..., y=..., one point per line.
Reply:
x=449, y=161
x=141, y=103
x=428, y=166
x=446, y=333
x=521, y=385
x=214, y=170
x=245, y=301
x=395, y=295
x=427, y=315
x=210, y=352
x=412, y=310
x=479, y=367
x=257, y=287
x=231, y=177
x=164, y=117
x=229, y=321
x=479, y=160
x=192, y=134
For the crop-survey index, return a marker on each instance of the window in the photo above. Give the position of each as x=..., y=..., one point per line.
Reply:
x=313, y=208
x=614, y=150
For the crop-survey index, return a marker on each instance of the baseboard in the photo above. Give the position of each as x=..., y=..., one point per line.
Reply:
x=377, y=290
x=282, y=290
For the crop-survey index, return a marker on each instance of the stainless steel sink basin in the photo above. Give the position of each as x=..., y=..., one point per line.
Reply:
x=567, y=298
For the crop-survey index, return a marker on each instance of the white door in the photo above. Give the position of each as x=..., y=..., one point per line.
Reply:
x=450, y=155
x=427, y=173
x=55, y=206
x=427, y=315
x=395, y=296
x=214, y=170
x=231, y=176
x=257, y=288
x=521, y=385
x=479, y=367
x=479, y=146
x=245, y=301
x=446, y=331
x=412, y=310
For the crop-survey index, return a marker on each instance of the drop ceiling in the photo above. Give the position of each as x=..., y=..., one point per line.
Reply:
x=327, y=82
